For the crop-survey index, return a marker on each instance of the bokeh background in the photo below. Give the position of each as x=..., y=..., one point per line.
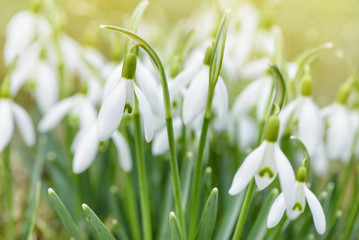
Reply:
x=305, y=24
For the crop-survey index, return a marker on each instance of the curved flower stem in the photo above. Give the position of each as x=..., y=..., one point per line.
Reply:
x=244, y=211
x=168, y=112
x=9, y=194
x=141, y=169
x=197, y=179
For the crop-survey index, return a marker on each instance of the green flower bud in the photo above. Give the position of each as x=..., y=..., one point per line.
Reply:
x=129, y=66
x=176, y=66
x=207, y=57
x=306, y=85
x=302, y=174
x=343, y=93
x=272, y=129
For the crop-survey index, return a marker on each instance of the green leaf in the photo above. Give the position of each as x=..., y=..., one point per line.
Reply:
x=280, y=87
x=64, y=215
x=228, y=219
x=96, y=223
x=307, y=57
x=121, y=233
x=136, y=18
x=218, y=49
x=259, y=229
x=208, y=218
x=30, y=222
x=175, y=230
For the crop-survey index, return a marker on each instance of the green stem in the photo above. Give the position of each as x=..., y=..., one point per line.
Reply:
x=175, y=177
x=9, y=194
x=197, y=179
x=244, y=211
x=141, y=169
x=168, y=113
x=352, y=218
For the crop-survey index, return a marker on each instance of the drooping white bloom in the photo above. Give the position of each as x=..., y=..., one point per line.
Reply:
x=85, y=147
x=264, y=163
x=80, y=105
x=303, y=195
x=243, y=125
x=10, y=112
x=340, y=134
x=30, y=66
x=310, y=124
x=22, y=30
x=121, y=97
x=195, y=97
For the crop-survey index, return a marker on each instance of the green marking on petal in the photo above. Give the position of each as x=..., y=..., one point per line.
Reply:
x=265, y=171
x=298, y=205
x=129, y=108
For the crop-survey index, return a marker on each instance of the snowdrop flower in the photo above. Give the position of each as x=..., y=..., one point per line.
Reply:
x=85, y=147
x=304, y=115
x=195, y=97
x=33, y=66
x=340, y=134
x=302, y=195
x=264, y=163
x=10, y=112
x=80, y=105
x=22, y=30
x=121, y=98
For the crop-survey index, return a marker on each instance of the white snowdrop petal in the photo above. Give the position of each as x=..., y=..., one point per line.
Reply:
x=220, y=99
x=339, y=132
x=294, y=211
x=286, y=115
x=86, y=150
x=317, y=211
x=310, y=125
x=146, y=114
x=94, y=91
x=47, y=89
x=254, y=69
x=111, y=112
x=56, y=113
x=150, y=88
x=183, y=78
x=123, y=151
x=112, y=80
x=246, y=171
x=276, y=211
x=18, y=40
x=87, y=113
x=196, y=96
x=264, y=97
x=286, y=176
x=267, y=162
x=248, y=98
x=24, y=124
x=6, y=123
x=160, y=141
x=320, y=160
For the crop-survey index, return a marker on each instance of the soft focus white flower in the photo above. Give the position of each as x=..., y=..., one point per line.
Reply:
x=30, y=66
x=79, y=105
x=340, y=134
x=195, y=98
x=23, y=29
x=264, y=163
x=85, y=147
x=119, y=95
x=305, y=115
x=303, y=194
x=10, y=112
